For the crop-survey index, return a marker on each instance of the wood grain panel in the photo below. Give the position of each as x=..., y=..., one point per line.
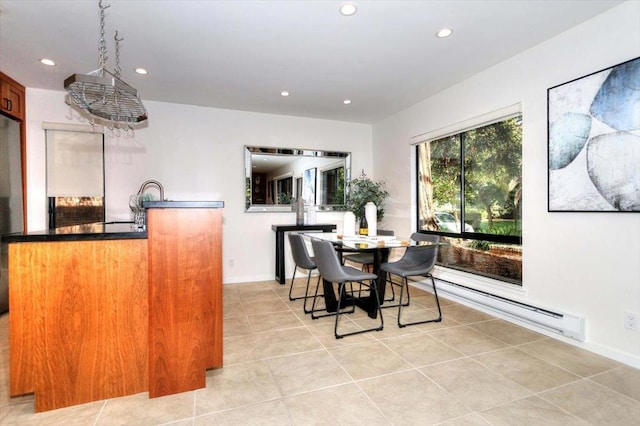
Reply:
x=214, y=308
x=185, y=298
x=86, y=302
x=21, y=314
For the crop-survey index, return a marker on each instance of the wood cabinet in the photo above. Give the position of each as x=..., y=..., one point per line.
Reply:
x=78, y=328
x=12, y=97
x=12, y=105
x=185, y=297
x=98, y=315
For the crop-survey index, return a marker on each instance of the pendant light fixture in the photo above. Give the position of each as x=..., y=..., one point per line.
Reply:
x=102, y=94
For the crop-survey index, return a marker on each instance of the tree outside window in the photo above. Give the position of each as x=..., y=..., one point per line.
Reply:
x=469, y=190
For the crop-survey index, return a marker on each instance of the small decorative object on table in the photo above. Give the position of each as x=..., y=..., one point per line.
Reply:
x=363, y=224
x=300, y=211
x=349, y=224
x=371, y=215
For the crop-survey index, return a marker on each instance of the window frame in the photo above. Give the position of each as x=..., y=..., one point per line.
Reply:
x=418, y=220
x=495, y=238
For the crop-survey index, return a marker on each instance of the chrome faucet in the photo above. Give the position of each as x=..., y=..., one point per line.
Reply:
x=152, y=182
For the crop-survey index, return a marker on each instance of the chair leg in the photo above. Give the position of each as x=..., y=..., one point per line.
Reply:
x=307, y=296
x=313, y=305
x=435, y=292
x=338, y=313
x=328, y=314
x=393, y=295
x=306, y=292
x=293, y=279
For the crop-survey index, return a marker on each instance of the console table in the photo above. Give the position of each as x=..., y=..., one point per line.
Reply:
x=280, y=230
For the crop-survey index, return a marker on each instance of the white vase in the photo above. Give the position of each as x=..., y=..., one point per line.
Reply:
x=349, y=224
x=371, y=214
x=311, y=215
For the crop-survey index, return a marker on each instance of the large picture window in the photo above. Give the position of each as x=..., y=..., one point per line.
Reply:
x=470, y=192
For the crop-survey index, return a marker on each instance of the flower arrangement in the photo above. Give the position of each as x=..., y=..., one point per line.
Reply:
x=361, y=190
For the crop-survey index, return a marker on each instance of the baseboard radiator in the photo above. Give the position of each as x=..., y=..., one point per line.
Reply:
x=565, y=324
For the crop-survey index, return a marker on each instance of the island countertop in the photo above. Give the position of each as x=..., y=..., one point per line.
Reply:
x=104, y=231
x=90, y=231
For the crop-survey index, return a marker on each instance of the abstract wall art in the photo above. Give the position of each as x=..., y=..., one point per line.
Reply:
x=309, y=186
x=594, y=141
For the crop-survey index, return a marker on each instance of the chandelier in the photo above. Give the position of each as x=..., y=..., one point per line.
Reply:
x=103, y=94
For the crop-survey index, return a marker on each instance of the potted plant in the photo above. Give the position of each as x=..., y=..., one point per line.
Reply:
x=361, y=190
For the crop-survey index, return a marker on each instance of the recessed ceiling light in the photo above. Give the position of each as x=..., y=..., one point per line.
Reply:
x=284, y=93
x=142, y=71
x=346, y=101
x=348, y=9
x=48, y=62
x=445, y=32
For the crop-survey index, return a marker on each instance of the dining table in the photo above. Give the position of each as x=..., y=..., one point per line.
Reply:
x=379, y=247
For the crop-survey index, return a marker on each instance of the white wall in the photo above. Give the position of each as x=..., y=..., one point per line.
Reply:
x=197, y=154
x=582, y=263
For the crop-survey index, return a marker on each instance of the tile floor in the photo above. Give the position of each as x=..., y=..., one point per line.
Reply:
x=282, y=368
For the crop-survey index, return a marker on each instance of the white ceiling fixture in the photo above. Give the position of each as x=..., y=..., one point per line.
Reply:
x=444, y=33
x=284, y=93
x=347, y=101
x=102, y=94
x=48, y=62
x=141, y=71
x=348, y=9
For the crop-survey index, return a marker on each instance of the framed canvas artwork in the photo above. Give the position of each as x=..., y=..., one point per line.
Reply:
x=594, y=141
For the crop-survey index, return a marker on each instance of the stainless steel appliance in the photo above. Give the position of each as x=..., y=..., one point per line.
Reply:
x=11, y=214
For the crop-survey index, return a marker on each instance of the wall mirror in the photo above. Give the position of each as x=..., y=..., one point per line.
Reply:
x=276, y=177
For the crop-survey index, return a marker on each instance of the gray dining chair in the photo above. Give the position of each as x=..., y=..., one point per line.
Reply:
x=333, y=271
x=417, y=261
x=366, y=259
x=302, y=260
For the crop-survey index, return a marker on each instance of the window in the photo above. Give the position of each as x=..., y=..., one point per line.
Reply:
x=469, y=191
x=285, y=190
x=75, y=174
x=332, y=186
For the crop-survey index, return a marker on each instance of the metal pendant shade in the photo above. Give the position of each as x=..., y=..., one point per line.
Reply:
x=103, y=94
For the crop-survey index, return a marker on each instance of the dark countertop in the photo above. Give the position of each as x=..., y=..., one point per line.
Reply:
x=91, y=231
x=104, y=231
x=183, y=204
x=328, y=227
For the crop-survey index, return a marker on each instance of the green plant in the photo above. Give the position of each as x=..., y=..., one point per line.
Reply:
x=361, y=190
x=480, y=245
x=284, y=198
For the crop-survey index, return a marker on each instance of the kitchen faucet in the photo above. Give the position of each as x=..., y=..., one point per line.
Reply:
x=152, y=182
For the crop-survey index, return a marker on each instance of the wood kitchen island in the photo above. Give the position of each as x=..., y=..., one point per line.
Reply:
x=100, y=311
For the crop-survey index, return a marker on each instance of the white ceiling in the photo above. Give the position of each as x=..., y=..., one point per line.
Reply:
x=242, y=54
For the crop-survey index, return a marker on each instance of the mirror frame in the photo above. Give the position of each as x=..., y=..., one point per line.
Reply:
x=251, y=151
